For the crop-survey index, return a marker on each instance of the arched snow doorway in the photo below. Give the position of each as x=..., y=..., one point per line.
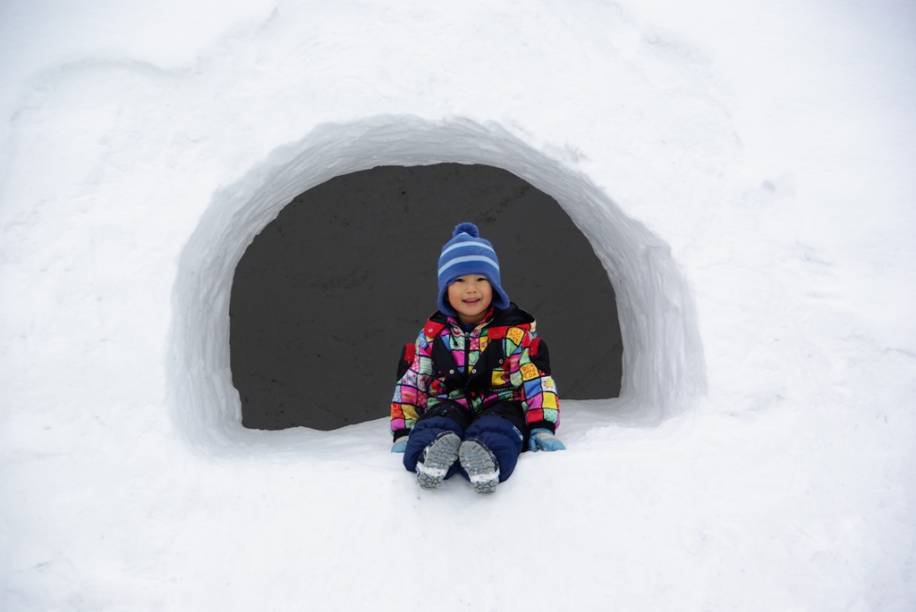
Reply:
x=662, y=359
x=327, y=293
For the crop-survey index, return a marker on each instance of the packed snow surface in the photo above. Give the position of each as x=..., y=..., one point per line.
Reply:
x=743, y=170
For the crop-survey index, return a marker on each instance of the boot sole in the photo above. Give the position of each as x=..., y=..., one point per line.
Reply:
x=480, y=465
x=438, y=457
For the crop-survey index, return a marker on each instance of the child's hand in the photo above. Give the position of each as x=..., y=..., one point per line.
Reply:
x=400, y=445
x=543, y=439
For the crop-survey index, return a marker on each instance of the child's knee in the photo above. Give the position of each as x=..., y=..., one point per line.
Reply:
x=497, y=427
x=425, y=431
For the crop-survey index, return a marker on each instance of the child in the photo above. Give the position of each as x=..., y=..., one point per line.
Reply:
x=474, y=390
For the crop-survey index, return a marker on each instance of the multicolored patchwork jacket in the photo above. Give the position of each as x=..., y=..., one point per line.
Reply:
x=502, y=358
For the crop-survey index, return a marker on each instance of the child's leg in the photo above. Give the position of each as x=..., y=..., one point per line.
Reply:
x=492, y=445
x=441, y=420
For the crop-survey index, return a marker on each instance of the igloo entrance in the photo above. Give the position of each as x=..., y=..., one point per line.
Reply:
x=662, y=364
x=328, y=291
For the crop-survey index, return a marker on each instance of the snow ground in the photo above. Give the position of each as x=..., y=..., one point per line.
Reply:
x=766, y=146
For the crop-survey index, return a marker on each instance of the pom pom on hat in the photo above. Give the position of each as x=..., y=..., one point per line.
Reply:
x=466, y=228
x=467, y=253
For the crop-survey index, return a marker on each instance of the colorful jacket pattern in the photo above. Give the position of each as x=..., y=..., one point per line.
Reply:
x=447, y=363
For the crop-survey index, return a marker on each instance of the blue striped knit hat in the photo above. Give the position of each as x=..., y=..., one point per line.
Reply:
x=468, y=253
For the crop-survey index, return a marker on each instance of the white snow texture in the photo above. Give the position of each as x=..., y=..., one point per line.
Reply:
x=742, y=169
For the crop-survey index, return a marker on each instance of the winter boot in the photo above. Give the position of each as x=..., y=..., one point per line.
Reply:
x=480, y=464
x=436, y=459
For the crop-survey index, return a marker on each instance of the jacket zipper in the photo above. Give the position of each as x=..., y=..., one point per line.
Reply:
x=467, y=370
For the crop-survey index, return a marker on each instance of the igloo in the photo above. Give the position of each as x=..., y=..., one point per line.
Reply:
x=663, y=368
x=759, y=454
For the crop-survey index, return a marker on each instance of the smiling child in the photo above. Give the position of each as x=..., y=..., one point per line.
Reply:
x=475, y=388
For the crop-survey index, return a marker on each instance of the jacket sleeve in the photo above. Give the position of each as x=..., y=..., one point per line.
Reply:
x=529, y=374
x=411, y=390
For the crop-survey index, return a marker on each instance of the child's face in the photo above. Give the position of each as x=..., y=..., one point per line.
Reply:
x=470, y=295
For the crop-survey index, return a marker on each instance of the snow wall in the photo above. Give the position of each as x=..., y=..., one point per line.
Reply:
x=751, y=206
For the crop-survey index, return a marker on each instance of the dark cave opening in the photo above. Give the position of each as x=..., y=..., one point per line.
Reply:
x=328, y=292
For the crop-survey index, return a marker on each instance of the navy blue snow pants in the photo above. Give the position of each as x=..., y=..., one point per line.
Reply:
x=499, y=427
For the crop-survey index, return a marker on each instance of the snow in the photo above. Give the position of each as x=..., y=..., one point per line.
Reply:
x=742, y=170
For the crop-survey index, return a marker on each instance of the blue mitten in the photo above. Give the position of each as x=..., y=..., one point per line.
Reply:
x=400, y=445
x=543, y=439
